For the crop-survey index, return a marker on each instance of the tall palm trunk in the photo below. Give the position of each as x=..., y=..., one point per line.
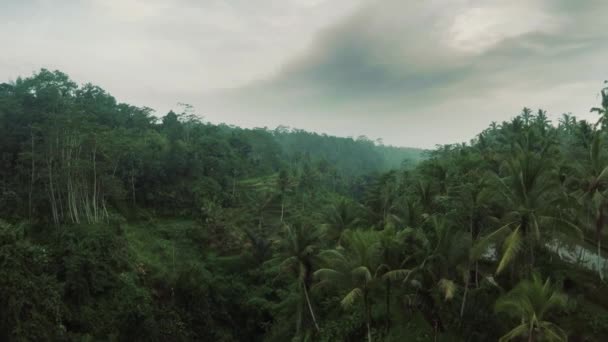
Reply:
x=388, y=305
x=476, y=274
x=282, y=207
x=368, y=315
x=33, y=174
x=312, y=314
x=466, y=290
x=599, y=225
x=133, y=186
x=528, y=244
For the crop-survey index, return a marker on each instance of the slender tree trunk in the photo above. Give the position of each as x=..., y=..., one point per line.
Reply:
x=368, y=315
x=532, y=258
x=95, y=213
x=105, y=211
x=173, y=257
x=299, y=320
x=133, y=186
x=598, y=236
x=312, y=314
x=466, y=291
x=388, y=305
x=599, y=259
x=32, y=178
x=52, y=193
x=527, y=238
x=282, y=208
x=476, y=274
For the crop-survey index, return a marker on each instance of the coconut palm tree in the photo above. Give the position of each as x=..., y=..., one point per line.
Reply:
x=339, y=217
x=528, y=190
x=603, y=110
x=440, y=256
x=354, y=268
x=531, y=301
x=591, y=178
x=392, y=255
x=298, y=256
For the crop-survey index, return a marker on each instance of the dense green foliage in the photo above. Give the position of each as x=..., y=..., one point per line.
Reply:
x=121, y=226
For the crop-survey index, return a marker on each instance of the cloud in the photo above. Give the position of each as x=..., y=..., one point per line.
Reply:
x=405, y=67
x=159, y=52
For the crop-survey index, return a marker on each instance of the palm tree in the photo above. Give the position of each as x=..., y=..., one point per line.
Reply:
x=528, y=189
x=527, y=116
x=441, y=254
x=591, y=177
x=383, y=200
x=392, y=255
x=299, y=255
x=603, y=110
x=355, y=268
x=567, y=122
x=531, y=301
x=425, y=196
x=340, y=216
x=541, y=121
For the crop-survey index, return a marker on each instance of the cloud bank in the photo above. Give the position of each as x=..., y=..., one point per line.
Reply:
x=422, y=72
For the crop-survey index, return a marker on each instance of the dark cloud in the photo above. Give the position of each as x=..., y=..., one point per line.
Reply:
x=399, y=60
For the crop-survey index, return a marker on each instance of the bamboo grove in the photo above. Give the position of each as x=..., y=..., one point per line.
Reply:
x=118, y=225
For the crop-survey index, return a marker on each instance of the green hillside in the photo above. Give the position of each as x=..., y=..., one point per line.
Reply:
x=119, y=225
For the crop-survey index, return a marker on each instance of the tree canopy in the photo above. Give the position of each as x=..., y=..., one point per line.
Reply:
x=118, y=224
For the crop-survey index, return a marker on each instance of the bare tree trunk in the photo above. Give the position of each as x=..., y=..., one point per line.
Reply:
x=368, y=316
x=599, y=224
x=133, y=186
x=52, y=192
x=476, y=274
x=312, y=314
x=173, y=257
x=95, y=215
x=32, y=178
x=599, y=259
x=105, y=210
x=69, y=199
x=466, y=291
x=388, y=305
x=532, y=259
x=299, y=320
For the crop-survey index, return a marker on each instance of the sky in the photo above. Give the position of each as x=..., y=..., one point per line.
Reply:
x=412, y=72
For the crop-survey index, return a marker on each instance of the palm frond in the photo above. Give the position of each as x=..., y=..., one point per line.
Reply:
x=519, y=331
x=362, y=272
x=448, y=288
x=511, y=247
x=327, y=274
x=552, y=332
x=482, y=245
x=351, y=297
x=395, y=275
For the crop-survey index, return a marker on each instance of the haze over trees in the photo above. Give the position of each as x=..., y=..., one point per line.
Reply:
x=116, y=224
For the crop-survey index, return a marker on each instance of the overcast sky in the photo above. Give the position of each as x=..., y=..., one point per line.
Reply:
x=412, y=72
